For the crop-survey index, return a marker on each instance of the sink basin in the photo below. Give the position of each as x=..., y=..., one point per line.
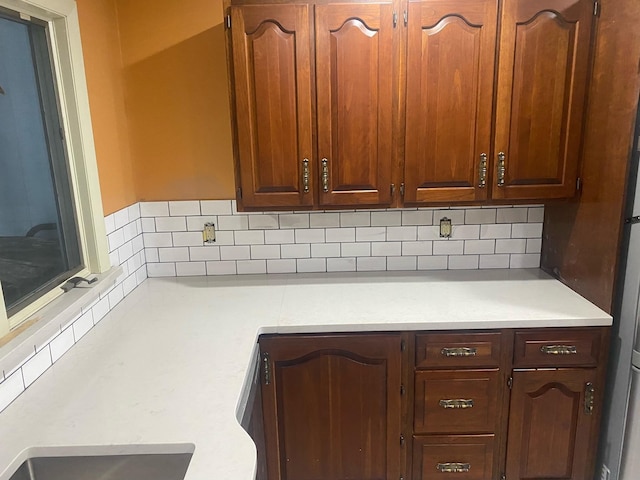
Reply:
x=114, y=463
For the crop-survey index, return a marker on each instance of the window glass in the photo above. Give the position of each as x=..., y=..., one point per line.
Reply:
x=38, y=233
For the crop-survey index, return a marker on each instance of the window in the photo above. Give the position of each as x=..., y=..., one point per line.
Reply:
x=51, y=221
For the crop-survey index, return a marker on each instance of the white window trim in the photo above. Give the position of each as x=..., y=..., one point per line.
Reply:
x=64, y=30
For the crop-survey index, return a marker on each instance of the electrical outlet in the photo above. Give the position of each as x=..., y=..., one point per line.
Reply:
x=209, y=233
x=445, y=227
x=605, y=473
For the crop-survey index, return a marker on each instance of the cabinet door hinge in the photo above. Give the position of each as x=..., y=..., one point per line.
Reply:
x=228, y=21
x=402, y=390
x=239, y=191
x=510, y=382
x=402, y=440
x=266, y=368
x=402, y=190
x=392, y=189
x=578, y=184
x=596, y=8
x=395, y=19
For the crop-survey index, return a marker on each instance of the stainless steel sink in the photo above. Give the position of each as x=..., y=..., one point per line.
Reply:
x=41, y=464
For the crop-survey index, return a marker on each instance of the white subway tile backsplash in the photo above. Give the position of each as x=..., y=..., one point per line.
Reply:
x=371, y=234
x=480, y=215
x=340, y=235
x=171, y=224
x=281, y=265
x=187, y=239
x=511, y=215
x=189, y=207
x=499, y=230
x=343, y=264
x=526, y=230
x=355, y=249
x=295, y=251
x=429, y=233
x=134, y=212
x=100, y=309
x=85, y=323
x=448, y=247
x=323, y=250
x=37, y=365
x=324, y=220
x=117, y=294
x=534, y=245
x=386, y=219
x=535, y=215
x=121, y=218
x=456, y=216
x=479, y=247
x=249, y=267
x=294, y=220
x=224, y=237
x=215, y=207
x=309, y=265
x=221, y=268
x=196, y=223
x=157, y=240
x=61, y=344
x=272, y=237
x=402, y=263
x=525, y=260
x=408, y=233
x=161, y=270
x=312, y=235
x=174, y=254
x=190, y=269
x=511, y=245
x=208, y=252
x=109, y=224
x=463, y=262
x=371, y=264
x=237, y=222
x=115, y=239
x=235, y=253
x=494, y=261
x=263, y=252
x=249, y=237
x=417, y=217
x=417, y=248
x=11, y=388
x=465, y=232
x=148, y=224
x=386, y=249
x=151, y=255
x=154, y=209
x=355, y=219
x=263, y=222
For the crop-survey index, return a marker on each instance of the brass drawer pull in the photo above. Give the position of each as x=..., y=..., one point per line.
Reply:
x=589, y=398
x=456, y=403
x=502, y=170
x=559, y=349
x=459, y=352
x=325, y=175
x=305, y=175
x=453, y=467
x=482, y=170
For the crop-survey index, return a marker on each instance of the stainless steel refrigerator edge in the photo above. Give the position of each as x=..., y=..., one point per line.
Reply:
x=620, y=441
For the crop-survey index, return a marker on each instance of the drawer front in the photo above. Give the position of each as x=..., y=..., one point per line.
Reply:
x=463, y=457
x=456, y=402
x=579, y=347
x=445, y=350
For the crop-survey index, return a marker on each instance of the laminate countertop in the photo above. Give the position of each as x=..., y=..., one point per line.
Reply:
x=174, y=362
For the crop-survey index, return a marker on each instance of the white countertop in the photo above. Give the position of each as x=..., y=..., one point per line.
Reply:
x=173, y=362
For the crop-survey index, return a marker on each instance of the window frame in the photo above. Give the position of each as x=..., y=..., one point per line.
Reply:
x=63, y=25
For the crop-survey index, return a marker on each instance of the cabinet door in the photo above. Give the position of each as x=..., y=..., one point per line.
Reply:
x=550, y=425
x=542, y=78
x=355, y=74
x=272, y=83
x=332, y=407
x=450, y=79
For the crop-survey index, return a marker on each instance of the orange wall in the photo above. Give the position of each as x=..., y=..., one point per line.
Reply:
x=175, y=79
x=103, y=65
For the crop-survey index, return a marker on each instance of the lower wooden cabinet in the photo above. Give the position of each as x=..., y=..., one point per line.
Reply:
x=436, y=405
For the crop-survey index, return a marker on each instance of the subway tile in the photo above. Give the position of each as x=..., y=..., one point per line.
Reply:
x=249, y=237
x=463, y=262
x=37, y=365
x=236, y=222
x=448, y=247
x=511, y=215
x=456, y=216
x=371, y=264
x=134, y=211
x=137, y=244
x=10, y=389
x=221, y=268
x=85, y=323
x=313, y=235
x=287, y=265
x=309, y=265
x=161, y=270
x=151, y=255
x=386, y=219
x=100, y=309
x=499, y=230
x=439, y=262
x=62, y=343
x=187, y=239
x=263, y=252
x=154, y=209
x=141, y=274
x=417, y=217
x=429, y=233
x=215, y=207
x=174, y=254
x=196, y=224
x=341, y=264
x=224, y=237
x=417, y=248
x=386, y=249
x=402, y=263
x=263, y=222
x=235, y=253
x=171, y=224
x=208, y=252
x=129, y=231
x=355, y=249
x=535, y=215
x=323, y=250
x=125, y=252
x=340, y=235
x=371, y=234
x=121, y=218
x=526, y=230
x=251, y=267
x=355, y=219
x=294, y=220
x=465, y=232
x=485, y=247
x=494, y=261
x=408, y=233
x=148, y=225
x=117, y=294
x=157, y=240
x=511, y=246
x=190, y=269
x=534, y=245
x=115, y=240
x=109, y=224
x=129, y=284
x=525, y=260
x=278, y=236
x=324, y=220
x=480, y=215
x=184, y=207
x=295, y=251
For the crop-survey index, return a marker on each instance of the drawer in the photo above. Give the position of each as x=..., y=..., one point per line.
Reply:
x=464, y=457
x=446, y=350
x=577, y=347
x=456, y=401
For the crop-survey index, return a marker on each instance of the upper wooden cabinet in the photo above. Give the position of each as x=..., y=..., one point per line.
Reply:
x=403, y=102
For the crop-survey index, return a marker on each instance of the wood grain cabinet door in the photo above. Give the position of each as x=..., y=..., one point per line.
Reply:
x=355, y=75
x=542, y=78
x=272, y=83
x=450, y=79
x=550, y=425
x=332, y=407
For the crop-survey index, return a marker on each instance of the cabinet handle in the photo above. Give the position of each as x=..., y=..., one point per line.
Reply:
x=589, y=398
x=266, y=368
x=325, y=175
x=305, y=175
x=459, y=352
x=483, y=170
x=456, y=403
x=453, y=467
x=559, y=349
x=501, y=169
